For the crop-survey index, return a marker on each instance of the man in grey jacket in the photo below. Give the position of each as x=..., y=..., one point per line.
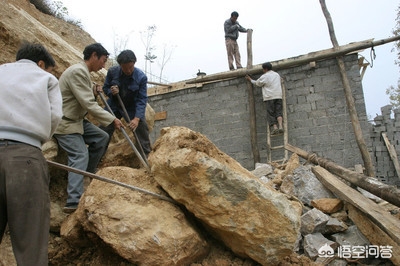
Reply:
x=232, y=29
x=30, y=110
x=84, y=142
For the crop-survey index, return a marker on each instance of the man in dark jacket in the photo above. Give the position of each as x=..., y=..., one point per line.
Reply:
x=131, y=85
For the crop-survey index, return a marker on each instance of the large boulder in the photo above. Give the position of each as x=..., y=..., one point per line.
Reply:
x=250, y=217
x=140, y=227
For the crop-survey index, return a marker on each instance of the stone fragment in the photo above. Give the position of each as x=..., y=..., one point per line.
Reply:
x=316, y=245
x=334, y=225
x=327, y=205
x=313, y=221
x=305, y=185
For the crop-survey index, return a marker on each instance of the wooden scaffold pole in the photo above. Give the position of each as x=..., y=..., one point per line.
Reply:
x=252, y=107
x=349, y=97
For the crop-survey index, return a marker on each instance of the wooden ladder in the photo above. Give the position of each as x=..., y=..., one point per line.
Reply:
x=284, y=136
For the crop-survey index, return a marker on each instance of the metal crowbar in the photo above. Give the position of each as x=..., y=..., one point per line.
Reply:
x=145, y=164
x=128, y=119
x=107, y=180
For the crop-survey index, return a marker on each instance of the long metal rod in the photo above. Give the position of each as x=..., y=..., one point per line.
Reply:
x=128, y=119
x=145, y=164
x=107, y=180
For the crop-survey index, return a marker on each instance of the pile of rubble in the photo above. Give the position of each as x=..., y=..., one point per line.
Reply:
x=219, y=213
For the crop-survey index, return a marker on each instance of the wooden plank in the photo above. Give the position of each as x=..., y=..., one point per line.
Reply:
x=160, y=116
x=373, y=233
x=393, y=154
x=384, y=191
x=381, y=218
x=297, y=60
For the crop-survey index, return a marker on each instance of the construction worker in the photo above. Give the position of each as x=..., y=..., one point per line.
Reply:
x=84, y=142
x=232, y=29
x=271, y=85
x=30, y=111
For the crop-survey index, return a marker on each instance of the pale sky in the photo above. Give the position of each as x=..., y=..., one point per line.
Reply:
x=193, y=30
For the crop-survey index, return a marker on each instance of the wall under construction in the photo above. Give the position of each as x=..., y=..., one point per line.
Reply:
x=389, y=124
x=318, y=119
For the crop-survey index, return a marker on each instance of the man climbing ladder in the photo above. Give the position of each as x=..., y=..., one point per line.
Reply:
x=270, y=82
x=272, y=91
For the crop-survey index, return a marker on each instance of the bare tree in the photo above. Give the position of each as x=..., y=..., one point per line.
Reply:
x=166, y=56
x=120, y=44
x=147, y=38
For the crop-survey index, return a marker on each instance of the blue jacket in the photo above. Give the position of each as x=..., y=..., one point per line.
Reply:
x=132, y=90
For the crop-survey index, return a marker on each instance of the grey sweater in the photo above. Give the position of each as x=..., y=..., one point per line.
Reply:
x=31, y=104
x=232, y=29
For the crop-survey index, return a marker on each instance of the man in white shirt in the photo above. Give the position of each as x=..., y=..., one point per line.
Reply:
x=270, y=82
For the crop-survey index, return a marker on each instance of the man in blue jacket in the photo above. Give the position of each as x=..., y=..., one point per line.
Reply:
x=131, y=85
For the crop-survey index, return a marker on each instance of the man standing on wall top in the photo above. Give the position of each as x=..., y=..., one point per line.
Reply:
x=232, y=29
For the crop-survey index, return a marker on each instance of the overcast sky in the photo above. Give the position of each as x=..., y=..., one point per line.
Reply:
x=193, y=31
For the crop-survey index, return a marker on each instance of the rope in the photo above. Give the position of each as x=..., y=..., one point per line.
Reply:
x=372, y=56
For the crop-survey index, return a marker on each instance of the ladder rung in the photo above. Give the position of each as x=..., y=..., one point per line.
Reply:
x=277, y=147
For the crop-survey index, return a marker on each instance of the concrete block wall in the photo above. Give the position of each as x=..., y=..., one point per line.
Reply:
x=318, y=119
x=217, y=110
x=388, y=122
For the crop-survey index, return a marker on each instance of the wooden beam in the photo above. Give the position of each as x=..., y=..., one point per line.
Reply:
x=393, y=154
x=296, y=61
x=373, y=232
x=159, y=84
x=252, y=106
x=389, y=193
x=160, y=116
x=369, y=167
x=387, y=224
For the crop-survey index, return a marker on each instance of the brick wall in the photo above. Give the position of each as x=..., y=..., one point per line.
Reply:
x=388, y=123
x=318, y=119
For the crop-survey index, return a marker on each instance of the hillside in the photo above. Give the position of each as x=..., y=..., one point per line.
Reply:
x=20, y=20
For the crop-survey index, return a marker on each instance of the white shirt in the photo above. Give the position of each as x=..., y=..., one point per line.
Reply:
x=271, y=85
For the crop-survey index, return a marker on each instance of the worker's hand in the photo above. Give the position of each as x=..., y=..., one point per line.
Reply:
x=96, y=89
x=248, y=77
x=118, y=124
x=114, y=89
x=134, y=123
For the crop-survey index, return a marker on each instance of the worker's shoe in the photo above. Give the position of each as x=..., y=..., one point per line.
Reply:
x=70, y=207
x=274, y=132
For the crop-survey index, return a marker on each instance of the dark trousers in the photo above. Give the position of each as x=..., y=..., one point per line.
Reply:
x=274, y=110
x=25, y=202
x=142, y=132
